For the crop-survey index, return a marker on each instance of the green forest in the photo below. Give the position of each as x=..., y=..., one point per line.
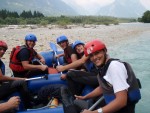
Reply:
x=28, y=17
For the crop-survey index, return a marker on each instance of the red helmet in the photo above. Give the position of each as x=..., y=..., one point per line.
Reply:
x=93, y=46
x=3, y=44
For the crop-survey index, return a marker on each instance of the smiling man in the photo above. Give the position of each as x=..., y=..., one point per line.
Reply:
x=117, y=83
x=22, y=56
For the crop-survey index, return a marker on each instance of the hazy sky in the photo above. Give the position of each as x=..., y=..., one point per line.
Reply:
x=94, y=3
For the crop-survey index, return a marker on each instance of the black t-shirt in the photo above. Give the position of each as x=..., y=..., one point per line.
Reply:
x=24, y=55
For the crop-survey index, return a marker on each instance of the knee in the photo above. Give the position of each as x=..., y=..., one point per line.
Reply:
x=19, y=82
x=63, y=89
x=70, y=74
x=22, y=83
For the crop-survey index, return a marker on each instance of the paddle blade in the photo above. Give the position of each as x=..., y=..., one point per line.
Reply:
x=53, y=46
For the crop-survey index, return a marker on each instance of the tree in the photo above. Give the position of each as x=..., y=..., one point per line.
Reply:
x=39, y=14
x=26, y=14
x=3, y=14
x=146, y=17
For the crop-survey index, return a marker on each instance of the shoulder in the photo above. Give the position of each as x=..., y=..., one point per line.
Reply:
x=116, y=64
x=117, y=72
x=116, y=67
x=24, y=51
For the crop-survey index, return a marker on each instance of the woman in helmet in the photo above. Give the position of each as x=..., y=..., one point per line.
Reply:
x=14, y=84
x=22, y=56
x=78, y=48
x=120, y=95
x=69, y=55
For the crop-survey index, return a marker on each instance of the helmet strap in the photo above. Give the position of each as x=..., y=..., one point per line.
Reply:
x=26, y=44
x=67, y=43
x=105, y=58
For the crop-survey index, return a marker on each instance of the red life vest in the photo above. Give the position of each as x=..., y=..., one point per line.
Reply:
x=15, y=64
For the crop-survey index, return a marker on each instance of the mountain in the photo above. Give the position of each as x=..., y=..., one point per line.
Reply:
x=47, y=7
x=123, y=8
x=75, y=6
x=78, y=8
x=119, y=8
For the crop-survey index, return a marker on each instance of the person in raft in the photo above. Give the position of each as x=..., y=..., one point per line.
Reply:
x=69, y=54
x=11, y=85
x=22, y=56
x=117, y=81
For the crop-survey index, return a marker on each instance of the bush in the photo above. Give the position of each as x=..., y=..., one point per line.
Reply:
x=106, y=23
x=22, y=22
x=44, y=23
x=63, y=23
x=11, y=21
x=28, y=17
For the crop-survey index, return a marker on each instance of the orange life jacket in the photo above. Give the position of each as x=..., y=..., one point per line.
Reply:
x=15, y=64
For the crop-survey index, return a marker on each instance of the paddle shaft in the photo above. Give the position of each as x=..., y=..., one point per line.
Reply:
x=57, y=59
x=41, y=63
x=36, y=78
x=96, y=103
x=54, y=48
x=38, y=61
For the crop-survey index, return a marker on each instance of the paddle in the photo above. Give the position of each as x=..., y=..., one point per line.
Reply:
x=37, y=60
x=36, y=78
x=54, y=48
x=96, y=103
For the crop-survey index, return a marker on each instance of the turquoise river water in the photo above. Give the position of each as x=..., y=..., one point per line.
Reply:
x=136, y=51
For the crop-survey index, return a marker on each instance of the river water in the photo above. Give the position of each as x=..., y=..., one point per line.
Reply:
x=136, y=51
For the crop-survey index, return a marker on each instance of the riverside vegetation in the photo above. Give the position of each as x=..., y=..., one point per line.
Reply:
x=28, y=17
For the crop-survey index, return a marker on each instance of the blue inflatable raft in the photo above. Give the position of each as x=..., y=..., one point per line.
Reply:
x=35, y=85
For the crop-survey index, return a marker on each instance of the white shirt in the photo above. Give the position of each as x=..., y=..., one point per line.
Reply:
x=117, y=76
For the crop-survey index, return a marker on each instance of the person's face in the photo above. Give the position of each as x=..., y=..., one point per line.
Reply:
x=98, y=57
x=30, y=43
x=63, y=44
x=2, y=51
x=79, y=49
